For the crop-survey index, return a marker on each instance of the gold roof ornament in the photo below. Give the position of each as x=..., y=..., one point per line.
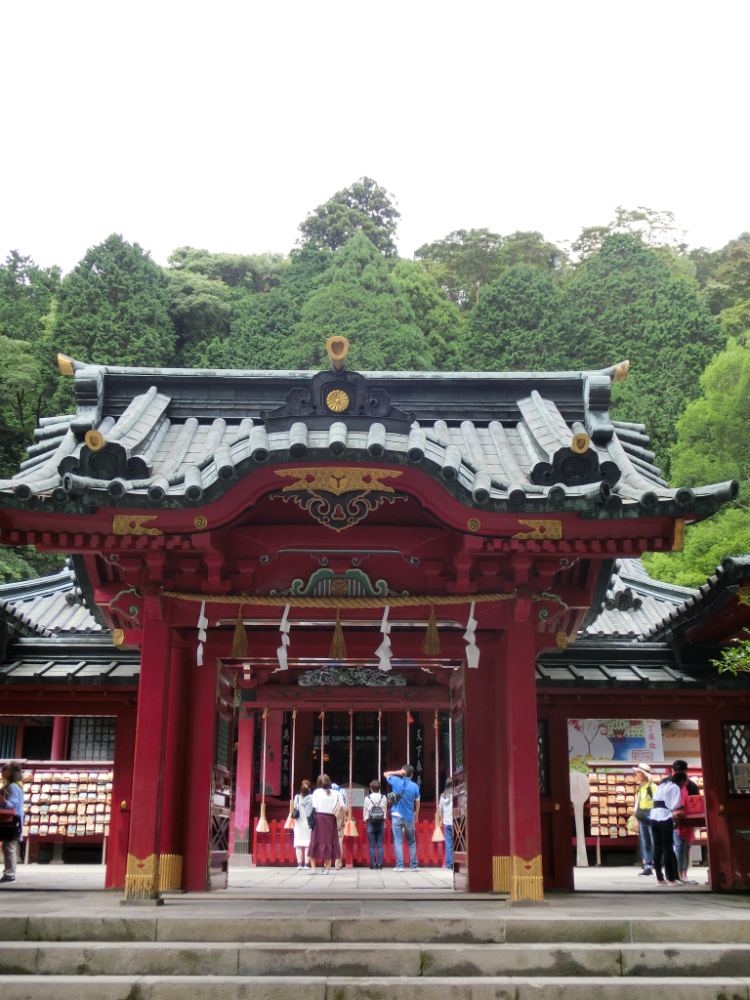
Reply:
x=621, y=372
x=337, y=348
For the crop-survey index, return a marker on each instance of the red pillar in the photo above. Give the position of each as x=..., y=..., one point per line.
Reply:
x=525, y=860
x=480, y=738
x=122, y=790
x=243, y=798
x=60, y=727
x=175, y=772
x=144, y=847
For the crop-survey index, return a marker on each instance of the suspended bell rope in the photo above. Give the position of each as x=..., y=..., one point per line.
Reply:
x=289, y=825
x=409, y=721
x=338, y=646
x=322, y=718
x=437, y=833
x=350, y=830
x=262, y=824
x=380, y=742
x=341, y=603
x=239, y=642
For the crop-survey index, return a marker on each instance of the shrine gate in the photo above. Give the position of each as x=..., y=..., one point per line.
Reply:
x=242, y=527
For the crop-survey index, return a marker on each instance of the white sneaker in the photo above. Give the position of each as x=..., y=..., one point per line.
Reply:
x=398, y=869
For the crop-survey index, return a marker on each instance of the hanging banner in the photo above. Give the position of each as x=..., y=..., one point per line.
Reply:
x=418, y=753
x=286, y=742
x=630, y=740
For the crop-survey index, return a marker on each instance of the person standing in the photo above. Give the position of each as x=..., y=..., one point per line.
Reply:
x=324, y=843
x=302, y=832
x=11, y=797
x=684, y=836
x=339, y=812
x=445, y=808
x=404, y=800
x=667, y=806
x=644, y=801
x=373, y=813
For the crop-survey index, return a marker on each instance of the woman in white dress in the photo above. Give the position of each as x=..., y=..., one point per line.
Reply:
x=302, y=831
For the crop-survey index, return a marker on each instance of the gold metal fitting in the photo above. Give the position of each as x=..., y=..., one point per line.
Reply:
x=95, y=440
x=621, y=371
x=65, y=364
x=337, y=348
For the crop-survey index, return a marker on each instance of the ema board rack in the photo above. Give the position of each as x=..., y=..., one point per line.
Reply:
x=612, y=790
x=67, y=801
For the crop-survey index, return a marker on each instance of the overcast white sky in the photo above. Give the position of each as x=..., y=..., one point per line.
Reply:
x=221, y=124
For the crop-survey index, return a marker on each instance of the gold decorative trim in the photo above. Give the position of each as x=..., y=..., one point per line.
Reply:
x=539, y=529
x=133, y=524
x=621, y=372
x=526, y=881
x=142, y=877
x=473, y=524
x=65, y=364
x=200, y=522
x=679, y=534
x=338, y=480
x=118, y=637
x=170, y=872
x=501, y=874
x=337, y=400
x=562, y=640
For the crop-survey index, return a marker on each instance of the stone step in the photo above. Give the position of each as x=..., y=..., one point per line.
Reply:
x=347, y=988
x=383, y=961
x=418, y=930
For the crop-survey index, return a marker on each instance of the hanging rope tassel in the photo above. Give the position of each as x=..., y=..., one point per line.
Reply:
x=322, y=718
x=431, y=644
x=262, y=825
x=239, y=642
x=437, y=834
x=380, y=742
x=409, y=721
x=350, y=830
x=338, y=646
x=289, y=825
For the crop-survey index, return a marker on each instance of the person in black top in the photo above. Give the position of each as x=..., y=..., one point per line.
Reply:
x=681, y=765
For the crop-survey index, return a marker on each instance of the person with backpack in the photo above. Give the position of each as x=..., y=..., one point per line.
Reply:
x=302, y=815
x=11, y=797
x=404, y=802
x=644, y=801
x=373, y=813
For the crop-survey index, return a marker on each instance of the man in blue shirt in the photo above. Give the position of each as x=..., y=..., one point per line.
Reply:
x=11, y=797
x=404, y=814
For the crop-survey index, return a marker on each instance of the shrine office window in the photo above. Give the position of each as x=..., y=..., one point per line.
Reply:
x=737, y=755
x=92, y=738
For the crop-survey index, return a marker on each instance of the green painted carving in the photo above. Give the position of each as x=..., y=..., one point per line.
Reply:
x=354, y=583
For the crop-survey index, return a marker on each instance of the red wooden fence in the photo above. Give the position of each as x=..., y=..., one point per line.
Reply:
x=276, y=849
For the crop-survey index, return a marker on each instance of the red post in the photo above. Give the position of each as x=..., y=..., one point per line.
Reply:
x=144, y=847
x=244, y=783
x=525, y=862
x=175, y=773
x=60, y=727
x=122, y=790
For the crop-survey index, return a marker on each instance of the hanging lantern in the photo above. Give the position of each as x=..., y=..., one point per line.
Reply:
x=262, y=825
x=437, y=834
x=431, y=644
x=289, y=824
x=383, y=652
x=338, y=646
x=350, y=830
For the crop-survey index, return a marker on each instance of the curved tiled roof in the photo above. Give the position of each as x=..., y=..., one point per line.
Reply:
x=500, y=441
x=47, y=606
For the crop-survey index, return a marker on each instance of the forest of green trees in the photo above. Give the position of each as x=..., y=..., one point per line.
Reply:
x=474, y=300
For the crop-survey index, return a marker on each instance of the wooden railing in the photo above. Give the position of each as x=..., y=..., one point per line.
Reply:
x=276, y=849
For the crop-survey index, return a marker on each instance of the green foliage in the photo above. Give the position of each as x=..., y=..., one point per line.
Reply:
x=464, y=262
x=23, y=562
x=736, y=659
x=114, y=308
x=358, y=298
x=436, y=316
x=518, y=324
x=706, y=544
x=364, y=207
x=28, y=373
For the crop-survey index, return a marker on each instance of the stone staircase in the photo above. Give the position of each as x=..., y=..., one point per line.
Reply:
x=169, y=957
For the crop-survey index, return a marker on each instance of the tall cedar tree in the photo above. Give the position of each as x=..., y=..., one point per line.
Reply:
x=364, y=207
x=114, y=308
x=437, y=317
x=357, y=298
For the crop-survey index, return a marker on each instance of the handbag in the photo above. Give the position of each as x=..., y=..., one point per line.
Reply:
x=643, y=815
x=10, y=826
x=695, y=811
x=311, y=819
x=295, y=813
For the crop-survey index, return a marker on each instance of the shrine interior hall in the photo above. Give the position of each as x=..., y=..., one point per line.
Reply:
x=273, y=571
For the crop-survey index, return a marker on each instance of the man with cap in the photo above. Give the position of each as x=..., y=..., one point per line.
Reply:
x=644, y=801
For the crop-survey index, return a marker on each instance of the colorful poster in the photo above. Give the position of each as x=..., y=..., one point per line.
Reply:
x=614, y=739
x=741, y=775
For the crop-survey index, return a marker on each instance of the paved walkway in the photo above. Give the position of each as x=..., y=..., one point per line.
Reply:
x=77, y=890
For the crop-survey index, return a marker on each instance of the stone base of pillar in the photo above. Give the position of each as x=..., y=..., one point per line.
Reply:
x=57, y=853
x=240, y=860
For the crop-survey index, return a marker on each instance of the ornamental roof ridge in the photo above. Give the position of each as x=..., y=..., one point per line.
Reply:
x=513, y=442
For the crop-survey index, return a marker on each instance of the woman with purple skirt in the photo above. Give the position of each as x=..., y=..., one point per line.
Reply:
x=324, y=844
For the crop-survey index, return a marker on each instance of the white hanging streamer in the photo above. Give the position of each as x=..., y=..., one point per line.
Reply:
x=472, y=650
x=202, y=626
x=284, y=628
x=383, y=652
